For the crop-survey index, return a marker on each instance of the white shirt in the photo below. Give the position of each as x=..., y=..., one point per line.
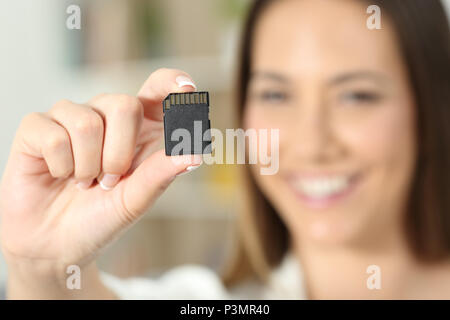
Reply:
x=198, y=282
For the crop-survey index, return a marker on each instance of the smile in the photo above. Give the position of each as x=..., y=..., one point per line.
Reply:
x=321, y=191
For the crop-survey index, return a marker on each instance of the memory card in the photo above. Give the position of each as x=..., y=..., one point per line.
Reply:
x=186, y=123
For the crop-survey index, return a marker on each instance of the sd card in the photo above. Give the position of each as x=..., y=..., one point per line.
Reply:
x=186, y=123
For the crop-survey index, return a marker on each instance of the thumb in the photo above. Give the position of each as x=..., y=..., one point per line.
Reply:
x=151, y=179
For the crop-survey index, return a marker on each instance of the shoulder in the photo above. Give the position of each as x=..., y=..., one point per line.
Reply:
x=184, y=282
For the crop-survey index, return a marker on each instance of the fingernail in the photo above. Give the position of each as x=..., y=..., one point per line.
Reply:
x=192, y=168
x=109, y=181
x=189, y=169
x=84, y=184
x=185, y=81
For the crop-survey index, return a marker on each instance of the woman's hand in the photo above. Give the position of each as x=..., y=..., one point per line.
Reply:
x=76, y=177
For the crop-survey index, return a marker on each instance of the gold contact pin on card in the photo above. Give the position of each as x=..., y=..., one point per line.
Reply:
x=181, y=98
x=167, y=104
x=177, y=99
x=172, y=100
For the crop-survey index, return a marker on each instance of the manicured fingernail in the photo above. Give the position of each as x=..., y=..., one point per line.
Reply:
x=185, y=81
x=84, y=184
x=189, y=169
x=109, y=181
x=192, y=168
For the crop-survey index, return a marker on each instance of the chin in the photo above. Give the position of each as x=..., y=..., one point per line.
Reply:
x=329, y=233
x=356, y=226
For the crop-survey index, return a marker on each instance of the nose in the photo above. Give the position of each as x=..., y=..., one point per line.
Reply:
x=315, y=138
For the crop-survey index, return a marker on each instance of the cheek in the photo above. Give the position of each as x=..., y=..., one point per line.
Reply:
x=384, y=144
x=273, y=128
x=385, y=136
x=270, y=119
x=269, y=125
x=263, y=124
x=256, y=117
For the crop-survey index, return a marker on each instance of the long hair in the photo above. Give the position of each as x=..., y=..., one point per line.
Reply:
x=423, y=33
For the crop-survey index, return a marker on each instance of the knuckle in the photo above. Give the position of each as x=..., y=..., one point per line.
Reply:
x=126, y=104
x=89, y=123
x=99, y=99
x=60, y=104
x=101, y=96
x=57, y=141
x=30, y=118
x=161, y=71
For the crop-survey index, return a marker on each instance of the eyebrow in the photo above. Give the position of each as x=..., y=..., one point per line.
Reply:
x=357, y=75
x=336, y=80
x=270, y=76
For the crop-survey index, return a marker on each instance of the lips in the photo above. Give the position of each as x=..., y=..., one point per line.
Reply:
x=322, y=190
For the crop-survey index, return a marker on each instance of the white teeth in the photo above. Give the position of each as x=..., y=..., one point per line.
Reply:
x=321, y=187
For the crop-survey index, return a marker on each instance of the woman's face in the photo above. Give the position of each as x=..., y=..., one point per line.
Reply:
x=340, y=97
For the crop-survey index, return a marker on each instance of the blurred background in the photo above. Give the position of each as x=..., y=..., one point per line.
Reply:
x=120, y=43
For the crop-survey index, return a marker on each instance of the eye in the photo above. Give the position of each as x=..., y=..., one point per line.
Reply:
x=360, y=97
x=271, y=96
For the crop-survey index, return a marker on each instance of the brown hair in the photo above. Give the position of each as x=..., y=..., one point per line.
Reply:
x=424, y=38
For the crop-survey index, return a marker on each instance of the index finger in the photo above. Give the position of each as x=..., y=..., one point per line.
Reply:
x=158, y=86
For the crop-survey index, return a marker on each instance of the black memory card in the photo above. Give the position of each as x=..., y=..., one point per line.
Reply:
x=186, y=123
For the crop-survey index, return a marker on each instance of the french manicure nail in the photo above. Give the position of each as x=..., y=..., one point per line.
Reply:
x=109, y=181
x=189, y=169
x=185, y=81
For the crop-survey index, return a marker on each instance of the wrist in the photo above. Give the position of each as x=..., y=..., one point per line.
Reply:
x=47, y=281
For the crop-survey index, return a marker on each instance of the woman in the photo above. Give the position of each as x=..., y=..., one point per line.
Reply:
x=362, y=184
